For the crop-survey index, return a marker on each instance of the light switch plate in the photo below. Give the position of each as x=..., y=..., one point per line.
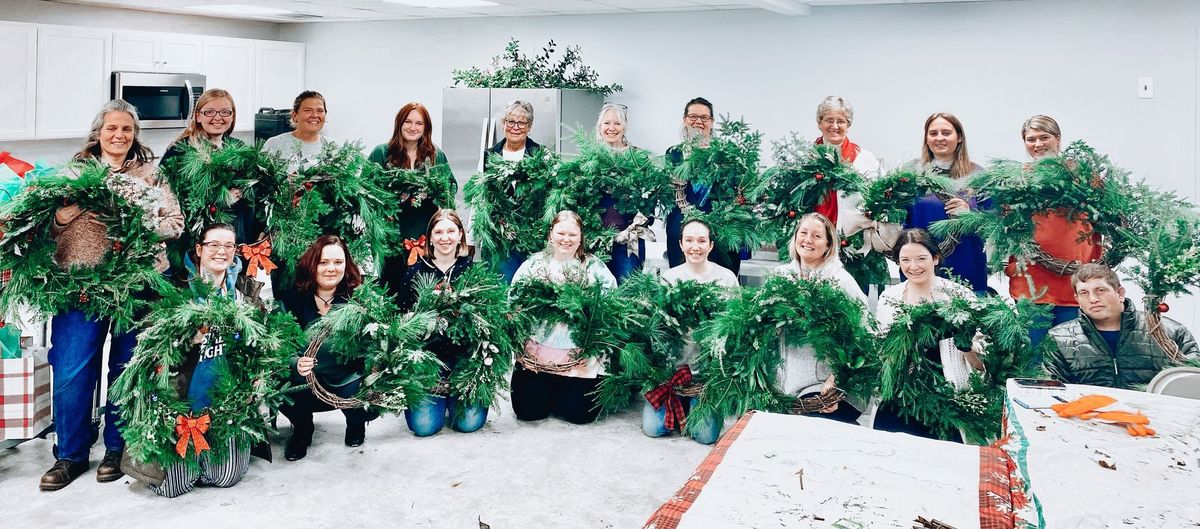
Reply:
x=1145, y=88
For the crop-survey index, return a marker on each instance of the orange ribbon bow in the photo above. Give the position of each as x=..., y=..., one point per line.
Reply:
x=258, y=255
x=191, y=428
x=415, y=248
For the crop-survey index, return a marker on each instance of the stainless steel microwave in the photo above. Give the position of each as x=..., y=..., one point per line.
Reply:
x=163, y=100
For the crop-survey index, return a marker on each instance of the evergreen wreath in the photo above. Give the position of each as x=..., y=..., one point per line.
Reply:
x=803, y=175
x=867, y=269
x=652, y=351
x=888, y=198
x=1168, y=263
x=1080, y=183
x=410, y=188
x=399, y=372
x=740, y=354
x=339, y=195
x=636, y=179
x=599, y=321
x=154, y=408
x=201, y=179
x=917, y=383
x=114, y=288
x=473, y=311
x=521, y=71
x=728, y=166
x=508, y=200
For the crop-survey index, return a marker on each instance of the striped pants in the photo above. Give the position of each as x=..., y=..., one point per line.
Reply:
x=228, y=472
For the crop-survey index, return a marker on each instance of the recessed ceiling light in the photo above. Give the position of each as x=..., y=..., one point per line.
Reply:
x=443, y=3
x=240, y=9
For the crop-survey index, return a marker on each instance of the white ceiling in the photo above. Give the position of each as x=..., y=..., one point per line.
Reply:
x=360, y=10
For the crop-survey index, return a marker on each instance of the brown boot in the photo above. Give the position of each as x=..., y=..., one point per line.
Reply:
x=110, y=467
x=62, y=474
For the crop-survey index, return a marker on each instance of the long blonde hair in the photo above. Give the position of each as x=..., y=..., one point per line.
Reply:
x=194, y=133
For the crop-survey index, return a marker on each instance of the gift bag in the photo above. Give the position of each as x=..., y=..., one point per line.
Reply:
x=24, y=395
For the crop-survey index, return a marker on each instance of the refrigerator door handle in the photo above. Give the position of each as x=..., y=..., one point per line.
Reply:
x=485, y=141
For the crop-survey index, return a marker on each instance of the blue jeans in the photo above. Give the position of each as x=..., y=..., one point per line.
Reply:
x=509, y=267
x=428, y=417
x=652, y=422
x=622, y=264
x=76, y=351
x=1039, y=329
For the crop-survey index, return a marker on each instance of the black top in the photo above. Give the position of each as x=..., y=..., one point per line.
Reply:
x=446, y=351
x=329, y=369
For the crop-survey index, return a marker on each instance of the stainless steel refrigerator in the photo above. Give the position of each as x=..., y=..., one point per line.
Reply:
x=472, y=122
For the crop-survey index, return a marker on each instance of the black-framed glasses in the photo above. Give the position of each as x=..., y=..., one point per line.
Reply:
x=696, y=118
x=516, y=125
x=213, y=246
x=224, y=112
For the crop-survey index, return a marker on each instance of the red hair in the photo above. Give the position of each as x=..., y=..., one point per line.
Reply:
x=397, y=155
x=306, y=268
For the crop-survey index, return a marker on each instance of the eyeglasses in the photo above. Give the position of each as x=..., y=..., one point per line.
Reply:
x=516, y=125
x=214, y=246
x=224, y=112
x=696, y=118
x=835, y=121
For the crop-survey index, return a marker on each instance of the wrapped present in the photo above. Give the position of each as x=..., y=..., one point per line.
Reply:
x=17, y=166
x=24, y=395
x=10, y=341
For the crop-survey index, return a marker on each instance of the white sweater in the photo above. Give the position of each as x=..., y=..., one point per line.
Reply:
x=558, y=336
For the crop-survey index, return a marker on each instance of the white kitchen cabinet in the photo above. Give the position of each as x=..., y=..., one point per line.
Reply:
x=280, y=73
x=74, y=79
x=18, y=85
x=138, y=51
x=229, y=64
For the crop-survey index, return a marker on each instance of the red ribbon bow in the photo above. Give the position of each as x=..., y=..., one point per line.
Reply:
x=415, y=249
x=258, y=255
x=192, y=429
x=665, y=395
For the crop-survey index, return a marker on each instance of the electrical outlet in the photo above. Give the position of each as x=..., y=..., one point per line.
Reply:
x=1145, y=88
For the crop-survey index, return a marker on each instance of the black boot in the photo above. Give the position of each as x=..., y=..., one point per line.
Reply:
x=356, y=432
x=110, y=467
x=297, y=446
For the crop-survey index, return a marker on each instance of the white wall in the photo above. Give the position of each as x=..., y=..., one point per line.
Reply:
x=42, y=12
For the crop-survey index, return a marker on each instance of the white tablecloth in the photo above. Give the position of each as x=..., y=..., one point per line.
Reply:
x=1156, y=483
x=880, y=479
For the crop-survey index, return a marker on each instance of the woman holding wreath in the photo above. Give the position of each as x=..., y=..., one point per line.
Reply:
x=696, y=243
x=814, y=252
x=445, y=260
x=610, y=129
x=77, y=340
x=516, y=144
x=302, y=146
x=216, y=264
x=326, y=276
x=917, y=255
x=411, y=147
x=834, y=118
x=1058, y=236
x=535, y=394
x=944, y=151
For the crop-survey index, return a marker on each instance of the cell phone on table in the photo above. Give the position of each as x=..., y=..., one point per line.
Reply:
x=1039, y=383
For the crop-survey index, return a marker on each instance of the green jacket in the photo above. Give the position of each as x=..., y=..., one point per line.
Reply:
x=1082, y=355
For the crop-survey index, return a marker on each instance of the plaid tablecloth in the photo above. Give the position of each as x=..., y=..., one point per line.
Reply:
x=752, y=479
x=1060, y=464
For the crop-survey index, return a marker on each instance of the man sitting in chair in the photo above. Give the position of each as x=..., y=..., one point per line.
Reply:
x=1112, y=343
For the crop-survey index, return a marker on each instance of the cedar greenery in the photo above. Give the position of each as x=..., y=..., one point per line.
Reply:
x=887, y=199
x=201, y=179
x=1079, y=183
x=917, y=383
x=258, y=347
x=473, y=312
x=803, y=175
x=728, y=165
x=398, y=371
x=410, y=188
x=867, y=269
x=740, y=346
x=119, y=285
x=514, y=69
x=653, y=347
x=339, y=195
x=508, y=200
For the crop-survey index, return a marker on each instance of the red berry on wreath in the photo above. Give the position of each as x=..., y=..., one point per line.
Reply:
x=84, y=298
x=887, y=194
x=158, y=370
x=741, y=200
x=819, y=176
x=1162, y=307
x=212, y=209
x=308, y=186
x=903, y=180
x=792, y=214
x=117, y=246
x=845, y=243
